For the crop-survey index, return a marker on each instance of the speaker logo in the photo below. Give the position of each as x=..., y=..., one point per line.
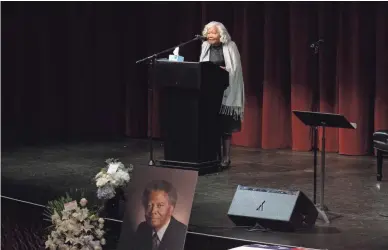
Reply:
x=261, y=207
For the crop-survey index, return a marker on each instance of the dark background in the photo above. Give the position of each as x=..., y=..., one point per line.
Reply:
x=68, y=69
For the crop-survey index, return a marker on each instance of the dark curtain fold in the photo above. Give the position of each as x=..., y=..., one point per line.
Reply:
x=357, y=85
x=328, y=87
x=68, y=69
x=381, y=91
x=276, y=84
x=248, y=17
x=303, y=30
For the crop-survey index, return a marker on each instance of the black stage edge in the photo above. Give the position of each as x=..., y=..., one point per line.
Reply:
x=21, y=230
x=202, y=168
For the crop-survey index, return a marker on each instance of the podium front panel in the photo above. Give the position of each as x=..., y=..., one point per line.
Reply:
x=191, y=100
x=178, y=75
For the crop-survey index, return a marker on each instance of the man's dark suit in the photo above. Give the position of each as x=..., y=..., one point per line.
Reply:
x=173, y=238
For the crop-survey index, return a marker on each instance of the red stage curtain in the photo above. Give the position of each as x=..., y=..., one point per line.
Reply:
x=282, y=73
x=250, y=135
x=302, y=32
x=276, y=118
x=328, y=88
x=86, y=84
x=356, y=81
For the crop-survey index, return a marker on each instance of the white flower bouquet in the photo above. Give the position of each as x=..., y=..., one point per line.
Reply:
x=74, y=226
x=114, y=175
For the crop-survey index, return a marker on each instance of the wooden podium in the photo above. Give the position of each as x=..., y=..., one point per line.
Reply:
x=191, y=98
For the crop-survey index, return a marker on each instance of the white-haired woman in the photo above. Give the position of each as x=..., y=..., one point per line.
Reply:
x=222, y=51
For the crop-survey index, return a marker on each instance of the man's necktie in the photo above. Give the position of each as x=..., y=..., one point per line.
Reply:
x=155, y=241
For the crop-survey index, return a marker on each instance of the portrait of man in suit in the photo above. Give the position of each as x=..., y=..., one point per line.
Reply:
x=160, y=230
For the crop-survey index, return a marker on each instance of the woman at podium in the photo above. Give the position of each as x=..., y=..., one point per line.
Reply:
x=222, y=51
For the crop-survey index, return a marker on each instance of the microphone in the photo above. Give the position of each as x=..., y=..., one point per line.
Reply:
x=199, y=37
x=313, y=45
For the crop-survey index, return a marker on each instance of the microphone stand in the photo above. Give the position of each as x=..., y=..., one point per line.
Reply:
x=314, y=129
x=151, y=60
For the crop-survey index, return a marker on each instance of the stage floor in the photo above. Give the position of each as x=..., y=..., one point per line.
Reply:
x=40, y=173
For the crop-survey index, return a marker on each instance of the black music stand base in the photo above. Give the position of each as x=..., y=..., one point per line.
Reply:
x=325, y=215
x=203, y=168
x=258, y=228
x=322, y=215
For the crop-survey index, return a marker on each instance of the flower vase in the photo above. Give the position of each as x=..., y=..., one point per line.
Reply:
x=112, y=206
x=120, y=194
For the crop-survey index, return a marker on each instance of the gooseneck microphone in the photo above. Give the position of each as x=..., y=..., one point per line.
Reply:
x=199, y=37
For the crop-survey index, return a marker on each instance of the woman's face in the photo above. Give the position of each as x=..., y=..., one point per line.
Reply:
x=213, y=36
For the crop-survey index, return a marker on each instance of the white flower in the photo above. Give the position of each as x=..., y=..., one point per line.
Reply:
x=62, y=228
x=64, y=247
x=55, y=234
x=83, y=202
x=108, y=182
x=55, y=216
x=77, y=241
x=72, y=226
x=66, y=214
x=94, y=244
x=87, y=239
x=77, y=229
x=69, y=238
x=84, y=214
x=99, y=175
x=106, y=192
x=99, y=233
x=101, y=182
x=78, y=216
x=87, y=226
x=50, y=243
x=120, y=177
x=116, y=165
x=57, y=222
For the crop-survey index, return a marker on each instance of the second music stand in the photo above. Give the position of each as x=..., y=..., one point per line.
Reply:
x=324, y=120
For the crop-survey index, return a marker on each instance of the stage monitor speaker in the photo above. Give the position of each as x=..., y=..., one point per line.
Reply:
x=272, y=209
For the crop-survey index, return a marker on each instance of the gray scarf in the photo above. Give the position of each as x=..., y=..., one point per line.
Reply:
x=234, y=96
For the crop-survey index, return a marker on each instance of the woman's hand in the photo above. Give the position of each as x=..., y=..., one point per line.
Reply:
x=222, y=67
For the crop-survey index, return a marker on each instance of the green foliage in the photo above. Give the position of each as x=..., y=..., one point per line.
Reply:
x=57, y=205
x=73, y=194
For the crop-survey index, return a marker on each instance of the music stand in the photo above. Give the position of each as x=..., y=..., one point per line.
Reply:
x=324, y=120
